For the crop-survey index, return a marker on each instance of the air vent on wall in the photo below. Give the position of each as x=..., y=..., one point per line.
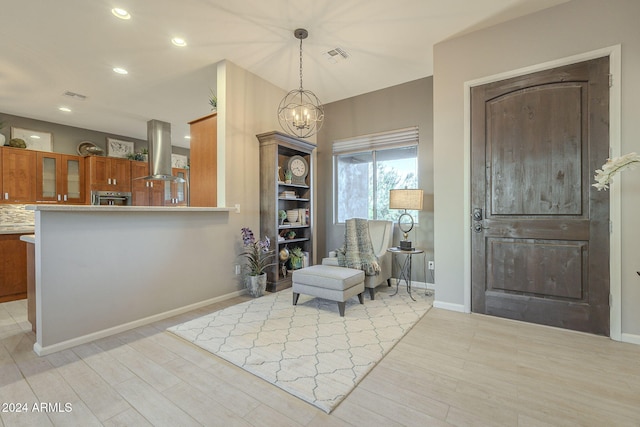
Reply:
x=336, y=55
x=74, y=95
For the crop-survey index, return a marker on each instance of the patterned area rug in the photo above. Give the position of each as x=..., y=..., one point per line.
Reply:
x=308, y=350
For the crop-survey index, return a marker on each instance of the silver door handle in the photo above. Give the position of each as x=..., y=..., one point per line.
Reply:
x=478, y=227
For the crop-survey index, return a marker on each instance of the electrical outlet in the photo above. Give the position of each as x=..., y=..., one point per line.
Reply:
x=237, y=270
x=432, y=265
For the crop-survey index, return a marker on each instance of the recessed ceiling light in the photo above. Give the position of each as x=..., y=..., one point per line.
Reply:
x=65, y=109
x=120, y=70
x=120, y=13
x=187, y=137
x=179, y=42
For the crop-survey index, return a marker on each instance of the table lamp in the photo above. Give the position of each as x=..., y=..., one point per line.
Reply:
x=405, y=199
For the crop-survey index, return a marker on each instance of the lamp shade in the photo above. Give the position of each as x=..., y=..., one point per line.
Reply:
x=406, y=199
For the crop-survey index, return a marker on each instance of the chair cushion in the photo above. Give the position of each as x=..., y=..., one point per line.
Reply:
x=328, y=277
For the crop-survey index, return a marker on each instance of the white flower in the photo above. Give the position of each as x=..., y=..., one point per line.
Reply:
x=603, y=176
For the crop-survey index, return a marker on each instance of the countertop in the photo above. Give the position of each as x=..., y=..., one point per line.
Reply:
x=94, y=208
x=29, y=238
x=17, y=229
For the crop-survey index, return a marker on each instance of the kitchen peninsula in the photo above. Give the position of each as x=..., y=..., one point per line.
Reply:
x=100, y=270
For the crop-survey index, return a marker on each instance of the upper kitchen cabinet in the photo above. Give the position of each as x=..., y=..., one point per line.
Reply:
x=145, y=192
x=18, y=179
x=179, y=190
x=59, y=178
x=108, y=174
x=203, y=169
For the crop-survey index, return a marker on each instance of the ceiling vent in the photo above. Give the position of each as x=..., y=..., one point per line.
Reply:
x=74, y=95
x=336, y=55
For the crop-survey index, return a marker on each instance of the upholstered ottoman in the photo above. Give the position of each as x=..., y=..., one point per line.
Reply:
x=329, y=282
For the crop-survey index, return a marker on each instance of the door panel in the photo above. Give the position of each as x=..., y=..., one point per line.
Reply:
x=548, y=170
x=540, y=230
x=552, y=268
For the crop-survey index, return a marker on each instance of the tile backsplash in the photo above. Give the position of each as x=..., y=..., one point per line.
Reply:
x=16, y=214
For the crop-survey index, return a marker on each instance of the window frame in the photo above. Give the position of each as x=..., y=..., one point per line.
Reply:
x=372, y=143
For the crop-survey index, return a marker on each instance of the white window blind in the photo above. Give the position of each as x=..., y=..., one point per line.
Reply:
x=398, y=138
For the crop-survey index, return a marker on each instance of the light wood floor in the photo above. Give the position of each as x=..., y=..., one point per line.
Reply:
x=451, y=369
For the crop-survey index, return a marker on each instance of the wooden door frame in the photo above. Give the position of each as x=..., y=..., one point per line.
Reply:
x=615, y=260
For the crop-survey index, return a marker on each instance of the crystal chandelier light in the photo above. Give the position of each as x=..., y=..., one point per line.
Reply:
x=300, y=112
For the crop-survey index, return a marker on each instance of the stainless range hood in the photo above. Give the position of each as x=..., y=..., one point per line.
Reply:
x=159, y=136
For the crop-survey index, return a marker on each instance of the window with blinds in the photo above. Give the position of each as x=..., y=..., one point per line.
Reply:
x=367, y=167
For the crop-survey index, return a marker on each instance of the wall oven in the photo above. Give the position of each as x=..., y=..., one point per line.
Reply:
x=110, y=198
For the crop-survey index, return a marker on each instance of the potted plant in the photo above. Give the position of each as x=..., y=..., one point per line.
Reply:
x=287, y=176
x=213, y=100
x=295, y=258
x=258, y=255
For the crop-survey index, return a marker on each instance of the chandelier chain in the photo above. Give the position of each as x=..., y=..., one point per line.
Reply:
x=300, y=64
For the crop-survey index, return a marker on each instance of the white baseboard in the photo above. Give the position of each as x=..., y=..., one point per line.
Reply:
x=43, y=351
x=449, y=306
x=437, y=304
x=416, y=284
x=630, y=338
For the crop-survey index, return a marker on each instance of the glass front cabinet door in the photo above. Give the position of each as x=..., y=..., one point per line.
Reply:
x=60, y=178
x=179, y=189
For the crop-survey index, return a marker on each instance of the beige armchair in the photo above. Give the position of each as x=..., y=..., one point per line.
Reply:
x=381, y=233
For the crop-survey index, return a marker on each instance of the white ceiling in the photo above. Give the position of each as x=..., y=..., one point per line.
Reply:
x=50, y=47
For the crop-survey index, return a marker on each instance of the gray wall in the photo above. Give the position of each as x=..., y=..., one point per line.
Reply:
x=401, y=106
x=67, y=138
x=573, y=28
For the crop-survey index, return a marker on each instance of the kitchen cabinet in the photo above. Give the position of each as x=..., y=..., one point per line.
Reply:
x=13, y=268
x=203, y=168
x=108, y=174
x=179, y=190
x=144, y=192
x=277, y=150
x=59, y=178
x=18, y=177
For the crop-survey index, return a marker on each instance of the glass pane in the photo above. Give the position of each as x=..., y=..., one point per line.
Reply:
x=362, y=193
x=354, y=177
x=180, y=187
x=396, y=168
x=49, y=177
x=73, y=179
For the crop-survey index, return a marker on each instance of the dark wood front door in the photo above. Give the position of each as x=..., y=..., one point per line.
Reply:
x=540, y=231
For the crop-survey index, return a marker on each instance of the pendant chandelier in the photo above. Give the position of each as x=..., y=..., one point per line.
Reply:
x=300, y=112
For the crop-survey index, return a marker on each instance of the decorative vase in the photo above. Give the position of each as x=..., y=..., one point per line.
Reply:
x=2, y=139
x=292, y=215
x=256, y=285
